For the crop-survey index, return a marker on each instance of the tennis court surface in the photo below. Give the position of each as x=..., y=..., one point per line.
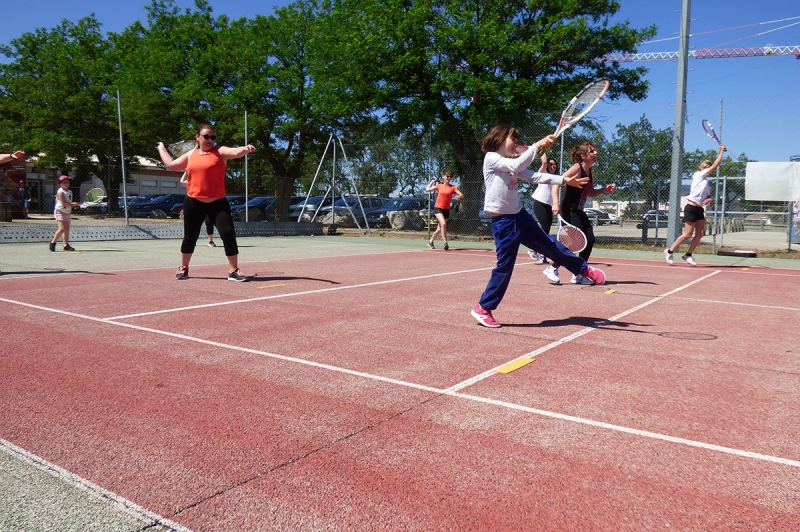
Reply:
x=347, y=387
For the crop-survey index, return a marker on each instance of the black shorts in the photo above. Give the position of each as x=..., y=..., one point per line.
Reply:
x=693, y=213
x=443, y=212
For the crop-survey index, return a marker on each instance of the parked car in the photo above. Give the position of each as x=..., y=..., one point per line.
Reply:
x=341, y=205
x=100, y=207
x=311, y=206
x=168, y=205
x=652, y=214
x=259, y=209
x=649, y=218
x=236, y=200
x=599, y=217
x=379, y=217
x=133, y=200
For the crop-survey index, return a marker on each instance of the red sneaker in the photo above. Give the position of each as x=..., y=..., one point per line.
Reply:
x=484, y=317
x=594, y=274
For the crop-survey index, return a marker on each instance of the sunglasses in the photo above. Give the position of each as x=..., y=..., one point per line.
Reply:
x=209, y=137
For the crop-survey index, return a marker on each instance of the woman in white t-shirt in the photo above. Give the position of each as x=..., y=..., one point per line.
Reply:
x=694, y=217
x=62, y=212
x=543, y=203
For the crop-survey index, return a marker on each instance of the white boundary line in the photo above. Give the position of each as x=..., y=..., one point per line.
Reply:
x=294, y=294
x=453, y=390
x=587, y=330
x=93, y=490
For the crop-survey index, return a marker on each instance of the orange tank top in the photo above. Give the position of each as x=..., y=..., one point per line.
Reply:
x=445, y=196
x=205, y=174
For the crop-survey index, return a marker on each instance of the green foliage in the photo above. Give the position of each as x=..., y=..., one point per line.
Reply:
x=317, y=67
x=467, y=66
x=55, y=94
x=638, y=159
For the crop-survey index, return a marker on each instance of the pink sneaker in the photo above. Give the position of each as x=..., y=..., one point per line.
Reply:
x=594, y=274
x=484, y=317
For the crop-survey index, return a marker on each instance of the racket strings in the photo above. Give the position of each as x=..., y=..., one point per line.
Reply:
x=709, y=130
x=584, y=101
x=572, y=237
x=94, y=196
x=179, y=148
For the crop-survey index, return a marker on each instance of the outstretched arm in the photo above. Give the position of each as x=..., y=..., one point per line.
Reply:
x=169, y=162
x=235, y=153
x=717, y=161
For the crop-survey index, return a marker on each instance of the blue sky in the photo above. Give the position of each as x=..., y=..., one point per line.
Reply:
x=761, y=95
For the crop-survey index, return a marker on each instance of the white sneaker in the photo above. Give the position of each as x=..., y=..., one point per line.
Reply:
x=689, y=260
x=668, y=256
x=581, y=279
x=535, y=256
x=552, y=274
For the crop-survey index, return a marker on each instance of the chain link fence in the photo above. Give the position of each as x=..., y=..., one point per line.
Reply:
x=384, y=166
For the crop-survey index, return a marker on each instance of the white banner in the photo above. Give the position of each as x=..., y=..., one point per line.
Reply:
x=772, y=181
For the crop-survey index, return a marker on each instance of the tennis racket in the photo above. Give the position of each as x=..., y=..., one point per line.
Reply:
x=710, y=131
x=92, y=198
x=577, y=108
x=570, y=236
x=581, y=104
x=176, y=149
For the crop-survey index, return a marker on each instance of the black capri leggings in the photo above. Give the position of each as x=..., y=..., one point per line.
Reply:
x=194, y=214
x=544, y=215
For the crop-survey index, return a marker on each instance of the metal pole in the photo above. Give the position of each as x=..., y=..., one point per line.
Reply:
x=430, y=164
x=122, y=160
x=724, y=204
x=246, y=197
x=680, y=118
x=716, y=190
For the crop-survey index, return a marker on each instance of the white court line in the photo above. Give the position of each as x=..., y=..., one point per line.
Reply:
x=636, y=432
x=452, y=392
x=292, y=294
x=143, y=515
x=587, y=330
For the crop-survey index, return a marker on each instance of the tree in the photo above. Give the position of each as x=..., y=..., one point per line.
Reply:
x=270, y=66
x=469, y=65
x=637, y=159
x=57, y=89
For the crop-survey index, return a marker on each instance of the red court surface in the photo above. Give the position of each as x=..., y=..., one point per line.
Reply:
x=357, y=393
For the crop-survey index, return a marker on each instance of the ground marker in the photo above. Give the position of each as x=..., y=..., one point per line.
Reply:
x=514, y=364
x=274, y=285
x=609, y=292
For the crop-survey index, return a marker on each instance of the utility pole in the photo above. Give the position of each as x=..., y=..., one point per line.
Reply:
x=676, y=175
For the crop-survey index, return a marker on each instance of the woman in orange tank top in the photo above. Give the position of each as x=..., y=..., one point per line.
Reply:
x=205, y=196
x=442, y=207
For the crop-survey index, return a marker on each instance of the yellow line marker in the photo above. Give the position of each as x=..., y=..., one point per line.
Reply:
x=609, y=292
x=745, y=269
x=514, y=364
x=274, y=285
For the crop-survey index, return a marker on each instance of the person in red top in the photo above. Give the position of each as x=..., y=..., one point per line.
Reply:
x=205, y=196
x=441, y=208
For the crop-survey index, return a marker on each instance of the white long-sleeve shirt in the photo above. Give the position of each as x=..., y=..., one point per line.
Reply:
x=501, y=175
